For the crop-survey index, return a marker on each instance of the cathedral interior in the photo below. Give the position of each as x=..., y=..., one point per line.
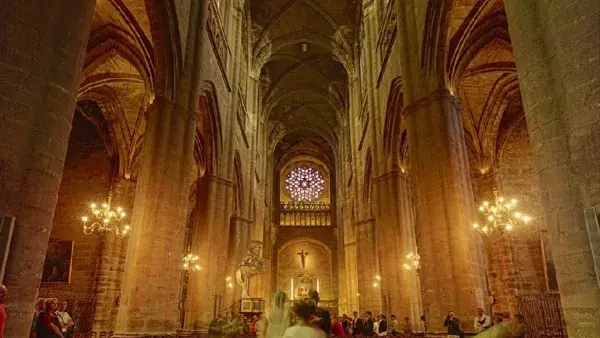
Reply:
x=165, y=162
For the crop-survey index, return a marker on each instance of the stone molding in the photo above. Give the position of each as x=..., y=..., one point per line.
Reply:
x=220, y=180
x=349, y=244
x=437, y=95
x=364, y=222
x=242, y=220
x=394, y=173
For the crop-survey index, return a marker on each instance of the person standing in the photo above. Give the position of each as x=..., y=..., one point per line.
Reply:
x=382, y=327
x=278, y=318
x=393, y=324
x=48, y=325
x=452, y=322
x=3, y=294
x=358, y=325
x=481, y=321
x=337, y=328
x=66, y=322
x=369, y=325
x=346, y=323
x=322, y=316
x=305, y=312
x=407, y=325
x=376, y=324
x=40, y=306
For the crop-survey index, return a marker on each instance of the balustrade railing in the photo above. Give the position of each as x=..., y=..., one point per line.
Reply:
x=305, y=214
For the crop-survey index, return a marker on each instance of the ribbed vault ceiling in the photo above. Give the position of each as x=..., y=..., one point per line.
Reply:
x=302, y=48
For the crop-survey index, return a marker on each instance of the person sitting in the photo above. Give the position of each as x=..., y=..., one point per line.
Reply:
x=453, y=324
x=48, y=325
x=305, y=312
x=66, y=322
x=481, y=321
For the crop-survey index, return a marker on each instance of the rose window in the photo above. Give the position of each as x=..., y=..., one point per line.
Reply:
x=304, y=184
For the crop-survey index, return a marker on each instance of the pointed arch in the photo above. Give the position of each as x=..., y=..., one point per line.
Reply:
x=239, y=193
x=209, y=126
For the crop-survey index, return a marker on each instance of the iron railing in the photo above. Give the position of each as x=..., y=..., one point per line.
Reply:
x=543, y=315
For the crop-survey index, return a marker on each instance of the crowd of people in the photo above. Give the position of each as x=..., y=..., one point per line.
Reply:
x=305, y=319
x=51, y=320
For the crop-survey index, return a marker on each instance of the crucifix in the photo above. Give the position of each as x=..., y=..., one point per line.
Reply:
x=303, y=255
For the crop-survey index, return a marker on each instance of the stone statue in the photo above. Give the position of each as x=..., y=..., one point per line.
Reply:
x=303, y=255
x=252, y=264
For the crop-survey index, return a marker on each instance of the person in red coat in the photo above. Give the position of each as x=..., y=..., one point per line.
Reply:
x=3, y=294
x=337, y=328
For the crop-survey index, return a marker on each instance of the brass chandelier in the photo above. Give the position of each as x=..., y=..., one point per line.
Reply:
x=500, y=216
x=190, y=263
x=413, y=262
x=105, y=220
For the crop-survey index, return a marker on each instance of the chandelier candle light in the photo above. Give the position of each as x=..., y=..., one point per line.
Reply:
x=412, y=262
x=105, y=220
x=190, y=262
x=500, y=217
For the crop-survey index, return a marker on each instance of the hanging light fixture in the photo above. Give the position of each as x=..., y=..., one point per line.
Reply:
x=413, y=262
x=190, y=263
x=500, y=216
x=104, y=220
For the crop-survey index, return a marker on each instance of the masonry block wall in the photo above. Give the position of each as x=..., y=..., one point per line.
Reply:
x=86, y=178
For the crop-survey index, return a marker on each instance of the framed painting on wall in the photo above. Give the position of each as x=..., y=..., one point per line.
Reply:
x=57, y=267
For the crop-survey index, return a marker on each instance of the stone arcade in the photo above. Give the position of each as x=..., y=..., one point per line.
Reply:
x=244, y=132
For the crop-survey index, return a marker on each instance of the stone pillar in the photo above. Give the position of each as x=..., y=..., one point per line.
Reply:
x=113, y=250
x=369, y=298
x=150, y=293
x=206, y=287
x=238, y=244
x=396, y=239
x=452, y=275
x=42, y=54
x=556, y=49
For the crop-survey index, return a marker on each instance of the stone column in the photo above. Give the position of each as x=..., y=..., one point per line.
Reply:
x=109, y=276
x=150, y=293
x=238, y=244
x=206, y=287
x=396, y=239
x=556, y=47
x=452, y=276
x=369, y=298
x=42, y=54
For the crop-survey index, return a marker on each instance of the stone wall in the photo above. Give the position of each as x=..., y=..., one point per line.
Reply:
x=519, y=180
x=86, y=178
x=318, y=265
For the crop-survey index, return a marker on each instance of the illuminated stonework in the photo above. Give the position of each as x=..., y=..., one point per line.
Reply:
x=304, y=184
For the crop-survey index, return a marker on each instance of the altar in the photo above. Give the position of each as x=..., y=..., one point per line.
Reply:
x=301, y=286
